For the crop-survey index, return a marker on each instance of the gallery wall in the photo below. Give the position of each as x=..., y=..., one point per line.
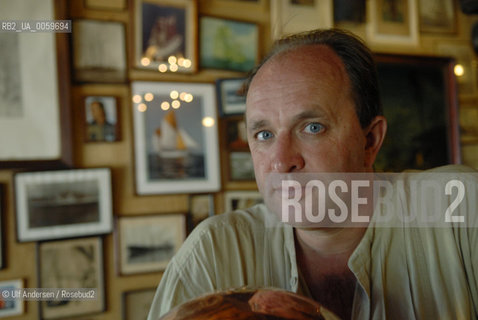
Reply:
x=171, y=205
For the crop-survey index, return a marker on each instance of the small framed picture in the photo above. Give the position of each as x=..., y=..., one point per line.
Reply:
x=136, y=303
x=166, y=35
x=176, y=143
x=99, y=51
x=101, y=115
x=236, y=200
x=202, y=207
x=147, y=243
x=63, y=203
x=10, y=307
x=291, y=16
x=228, y=44
x=241, y=167
x=236, y=134
x=75, y=263
x=231, y=96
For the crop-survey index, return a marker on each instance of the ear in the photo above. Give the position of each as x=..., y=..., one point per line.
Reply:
x=374, y=135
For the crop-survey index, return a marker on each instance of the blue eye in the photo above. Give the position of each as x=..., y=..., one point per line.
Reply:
x=314, y=127
x=263, y=135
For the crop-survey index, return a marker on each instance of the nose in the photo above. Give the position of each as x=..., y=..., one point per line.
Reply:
x=286, y=156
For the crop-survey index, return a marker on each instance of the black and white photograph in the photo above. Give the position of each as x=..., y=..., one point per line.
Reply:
x=147, y=243
x=101, y=115
x=99, y=52
x=64, y=203
x=76, y=263
x=176, y=143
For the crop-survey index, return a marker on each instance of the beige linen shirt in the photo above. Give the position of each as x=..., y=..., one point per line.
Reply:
x=402, y=272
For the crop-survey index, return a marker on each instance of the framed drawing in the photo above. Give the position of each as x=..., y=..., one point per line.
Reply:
x=63, y=204
x=99, y=51
x=437, y=16
x=166, y=35
x=10, y=306
x=228, y=44
x=175, y=136
x=101, y=119
x=393, y=22
x=35, y=125
x=237, y=200
x=201, y=207
x=231, y=96
x=76, y=263
x=147, y=243
x=136, y=303
x=419, y=101
x=291, y=16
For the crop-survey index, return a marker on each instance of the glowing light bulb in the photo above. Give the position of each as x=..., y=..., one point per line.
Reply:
x=176, y=104
x=459, y=70
x=162, y=67
x=137, y=98
x=174, y=94
x=145, y=61
x=149, y=97
x=165, y=105
x=208, y=122
x=142, y=107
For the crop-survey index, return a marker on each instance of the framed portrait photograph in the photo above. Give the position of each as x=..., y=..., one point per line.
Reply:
x=101, y=119
x=201, y=207
x=228, y=44
x=393, y=22
x=35, y=125
x=11, y=307
x=437, y=16
x=63, y=203
x=76, y=264
x=99, y=51
x=166, y=35
x=231, y=96
x=292, y=16
x=236, y=200
x=136, y=303
x=175, y=138
x=147, y=243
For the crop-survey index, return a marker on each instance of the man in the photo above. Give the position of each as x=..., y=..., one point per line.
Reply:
x=313, y=106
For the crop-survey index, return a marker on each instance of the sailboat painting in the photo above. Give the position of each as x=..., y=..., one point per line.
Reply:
x=174, y=150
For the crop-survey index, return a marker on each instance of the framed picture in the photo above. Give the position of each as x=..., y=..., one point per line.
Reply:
x=147, y=243
x=76, y=263
x=231, y=96
x=291, y=16
x=101, y=119
x=136, y=303
x=35, y=125
x=106, y=4
x=349, y=11
x=9, y=306
x=422, y=115
x=175, y=135
x=201, y=207
x=236, y=134
x=63, y=203
x=99, y=52
x=241, y=167
x=228, y=44
x=393, y=22
x=166, y=35
x=464, y=56
x=437, y=16
x=237, y=200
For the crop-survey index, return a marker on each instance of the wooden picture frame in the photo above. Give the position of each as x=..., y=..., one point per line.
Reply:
x=437, y=16
x=165, y=35
x=99, y=51
x=11, y=306
x=393, y=22
x=237, y=200
x=288, y=17
x=231, y=96
x=63, y=204
x=102, y=119
x=73, y=263
x=137, y=303
x=422, y=116
x=176, y=149
x=147, y=243
x=37, y=95
x=239, y=40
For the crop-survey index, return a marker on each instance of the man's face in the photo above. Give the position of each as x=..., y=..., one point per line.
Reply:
x=301, y=116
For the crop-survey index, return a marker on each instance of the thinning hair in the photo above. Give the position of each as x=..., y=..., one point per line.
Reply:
x=356, y=57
